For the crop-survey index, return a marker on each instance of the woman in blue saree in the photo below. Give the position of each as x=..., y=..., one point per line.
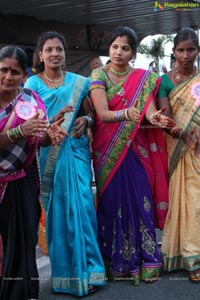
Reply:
x=76, y=263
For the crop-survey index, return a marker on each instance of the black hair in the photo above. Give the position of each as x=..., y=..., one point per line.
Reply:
x=37, y=64
x=29, y=52
x=185, y=34
x=12, y=51
x=129, y=33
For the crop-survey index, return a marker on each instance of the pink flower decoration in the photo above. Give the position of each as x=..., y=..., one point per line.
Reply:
x=25, y=110
x=195, y=90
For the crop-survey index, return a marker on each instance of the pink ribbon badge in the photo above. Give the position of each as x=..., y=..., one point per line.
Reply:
x=195, y=90
x=25, y=110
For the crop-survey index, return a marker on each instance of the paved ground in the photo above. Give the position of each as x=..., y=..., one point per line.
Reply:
x=170, y=286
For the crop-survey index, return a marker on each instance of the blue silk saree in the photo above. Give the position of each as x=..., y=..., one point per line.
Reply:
x=67, y=196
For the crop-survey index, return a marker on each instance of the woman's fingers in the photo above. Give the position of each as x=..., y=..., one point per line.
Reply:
x=57, y=133
x=60, y=121
x=80, y=126
x=68, y=108
x=162, y=109
x=197, y=149
x=197, y=133
x=134, y=113
x=34, y=127
x=161, y=120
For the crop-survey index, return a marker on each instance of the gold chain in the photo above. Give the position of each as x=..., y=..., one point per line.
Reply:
x=179, y=77
x=56, y=83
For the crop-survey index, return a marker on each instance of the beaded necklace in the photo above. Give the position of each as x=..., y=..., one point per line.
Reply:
x=179, y=77
x=56, y=83
x=119, y=74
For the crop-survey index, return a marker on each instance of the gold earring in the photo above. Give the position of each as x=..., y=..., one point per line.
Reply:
x=41, y=60
x=133, y=60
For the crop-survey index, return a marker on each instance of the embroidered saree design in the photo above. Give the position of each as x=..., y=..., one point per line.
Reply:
x=112, y=141
x=124, y=157
x=181, y=240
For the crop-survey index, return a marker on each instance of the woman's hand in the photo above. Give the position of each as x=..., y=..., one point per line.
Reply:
x=197, y=144
x=160, y=120
x=188, y=138
x=134, y=114
x=56, y=133
x=197, y=148
x=79, y=126
x=34, y=126
x=192, y=137
x=37, y=127
x=62, y=112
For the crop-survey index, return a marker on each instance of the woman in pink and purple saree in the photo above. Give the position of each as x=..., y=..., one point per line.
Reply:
x=130, y=162
x=23, y=127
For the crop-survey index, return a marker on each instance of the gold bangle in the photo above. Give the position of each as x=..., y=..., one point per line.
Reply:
x=126, y=115
x=9, y=137
x=21, y=132
x=181, y=133
x=176, y=132
x=14, y=134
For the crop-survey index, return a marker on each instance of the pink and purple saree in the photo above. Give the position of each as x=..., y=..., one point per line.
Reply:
x=130, y=167
x=19, y=203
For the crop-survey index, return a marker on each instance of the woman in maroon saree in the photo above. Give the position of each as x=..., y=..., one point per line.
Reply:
x=130, y=162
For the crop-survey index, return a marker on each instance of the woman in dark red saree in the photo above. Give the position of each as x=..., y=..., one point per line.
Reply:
x=129, y=161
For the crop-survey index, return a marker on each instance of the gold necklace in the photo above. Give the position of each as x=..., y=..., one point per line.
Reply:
x=119, y=74
x=179, y=77
x=56, y=83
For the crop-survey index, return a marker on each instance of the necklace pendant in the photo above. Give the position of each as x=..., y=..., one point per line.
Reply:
x=181, y=77
x=178, y=77
x=55, y=83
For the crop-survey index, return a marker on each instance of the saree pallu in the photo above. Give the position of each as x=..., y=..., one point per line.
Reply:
x=67, y=197
x=181, y=239
x=20, y=208
x=125, y=155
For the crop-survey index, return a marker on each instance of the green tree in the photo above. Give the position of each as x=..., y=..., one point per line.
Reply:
x=156, y=48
